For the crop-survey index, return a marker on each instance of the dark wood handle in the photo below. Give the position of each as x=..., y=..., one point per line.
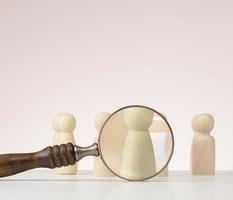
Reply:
x=50, y=157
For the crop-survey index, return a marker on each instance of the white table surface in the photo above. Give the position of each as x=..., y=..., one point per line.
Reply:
x=44, y=184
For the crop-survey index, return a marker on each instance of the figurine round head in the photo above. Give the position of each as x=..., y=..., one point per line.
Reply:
x=100, y=119
x=203, y=122
x=138, y=118
x=66, y=122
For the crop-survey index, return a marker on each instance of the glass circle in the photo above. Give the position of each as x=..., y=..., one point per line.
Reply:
x=136, y=143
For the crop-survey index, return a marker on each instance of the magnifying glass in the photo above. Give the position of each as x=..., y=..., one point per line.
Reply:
x=135, y=143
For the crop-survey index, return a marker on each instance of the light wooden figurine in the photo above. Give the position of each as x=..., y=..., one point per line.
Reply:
x=138, y=159
x=203, y=145
x=99, y=168
x=64, y=125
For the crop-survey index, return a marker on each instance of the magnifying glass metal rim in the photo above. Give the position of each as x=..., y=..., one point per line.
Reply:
x=172, y=149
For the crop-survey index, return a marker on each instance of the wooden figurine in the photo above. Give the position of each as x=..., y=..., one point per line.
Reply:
x=138, y=159
x=99, y=168
x=203, y=145
x=64, y=125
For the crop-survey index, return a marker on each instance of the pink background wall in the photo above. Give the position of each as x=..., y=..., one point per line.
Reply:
x=88, y=56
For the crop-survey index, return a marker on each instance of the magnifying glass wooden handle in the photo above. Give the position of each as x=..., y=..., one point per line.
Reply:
x=50, y=157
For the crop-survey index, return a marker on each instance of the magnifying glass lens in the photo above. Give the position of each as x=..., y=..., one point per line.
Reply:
x=136, y=143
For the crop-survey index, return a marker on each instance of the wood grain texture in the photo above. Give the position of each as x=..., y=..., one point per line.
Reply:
x=50, y=157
